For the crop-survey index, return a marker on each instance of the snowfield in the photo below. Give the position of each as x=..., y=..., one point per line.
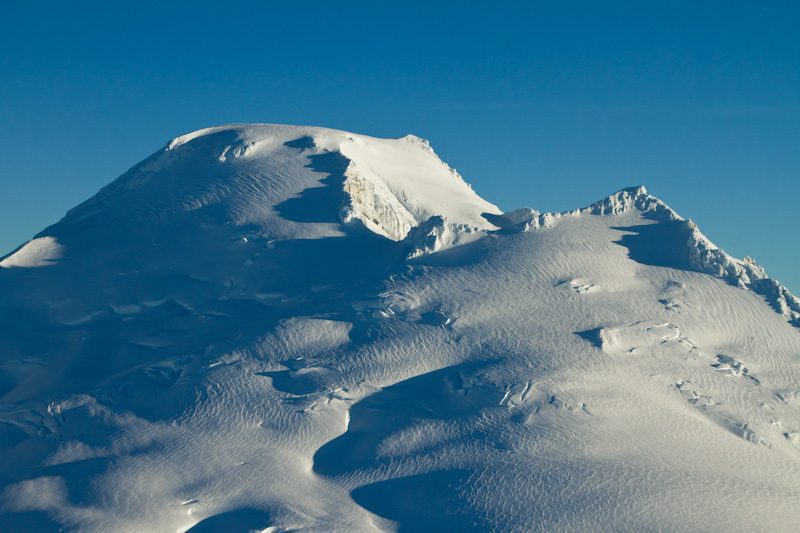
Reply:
x=279, y=328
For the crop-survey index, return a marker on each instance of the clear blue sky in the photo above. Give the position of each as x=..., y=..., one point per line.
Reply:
x=551, y=105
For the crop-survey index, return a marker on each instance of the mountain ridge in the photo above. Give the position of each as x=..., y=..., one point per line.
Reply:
x=228, y=338
x=250, y=149
x=367, y=201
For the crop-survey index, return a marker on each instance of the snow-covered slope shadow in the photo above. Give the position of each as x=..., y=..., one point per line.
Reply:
x=37, y=521
x=302, y=377
x=238, y=521
x=671, y=241
x=662, y=243
x=436, y=395
x=318, y=204
x=419, y=502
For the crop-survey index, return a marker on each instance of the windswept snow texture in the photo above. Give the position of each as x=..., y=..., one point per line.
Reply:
x=280, y=328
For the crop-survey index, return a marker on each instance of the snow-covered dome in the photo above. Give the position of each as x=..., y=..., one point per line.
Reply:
x=291, y=182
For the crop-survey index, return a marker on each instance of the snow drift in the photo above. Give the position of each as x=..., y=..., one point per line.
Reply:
x=280, y=328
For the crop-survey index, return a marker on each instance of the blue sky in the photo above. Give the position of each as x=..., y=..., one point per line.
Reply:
x=551, y=105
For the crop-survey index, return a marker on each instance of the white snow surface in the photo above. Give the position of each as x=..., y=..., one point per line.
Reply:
x=291, y=182
x=34, y=253
x=280, y=328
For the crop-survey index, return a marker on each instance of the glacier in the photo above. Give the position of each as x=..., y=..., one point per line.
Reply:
x=282, y=328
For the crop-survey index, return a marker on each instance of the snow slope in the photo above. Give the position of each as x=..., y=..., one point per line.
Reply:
x=289, y=182
x=282, y=328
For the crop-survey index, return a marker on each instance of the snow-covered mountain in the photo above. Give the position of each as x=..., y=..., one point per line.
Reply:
x=280, y=328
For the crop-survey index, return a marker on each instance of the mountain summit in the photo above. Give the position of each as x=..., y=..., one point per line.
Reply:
x=281, y=328
x=290, y=182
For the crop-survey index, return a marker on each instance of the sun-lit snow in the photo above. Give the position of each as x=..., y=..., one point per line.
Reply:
x=291, y=182
x=280, y=328
x=35, y=253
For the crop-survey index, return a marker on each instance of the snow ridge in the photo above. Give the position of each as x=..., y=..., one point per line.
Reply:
x=228, y=338
x=619, y=203
x=629, y=199
x=396, y=188
x=394, y=185
x=706, y=257
x=703, y=255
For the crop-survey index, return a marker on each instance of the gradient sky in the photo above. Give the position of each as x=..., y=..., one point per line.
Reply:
x=551, y=105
